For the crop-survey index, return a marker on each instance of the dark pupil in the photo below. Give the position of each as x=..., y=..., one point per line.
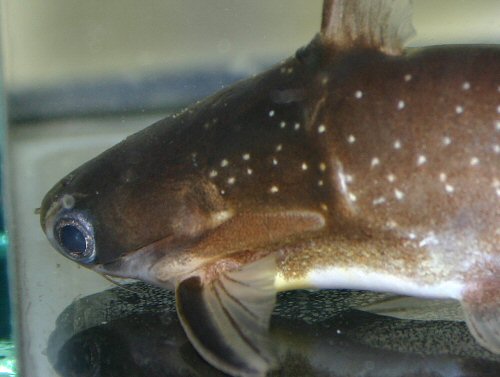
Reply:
x=73, y=239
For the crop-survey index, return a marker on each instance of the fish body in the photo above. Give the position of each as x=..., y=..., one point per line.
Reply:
x=407, y=167
x=353, y=164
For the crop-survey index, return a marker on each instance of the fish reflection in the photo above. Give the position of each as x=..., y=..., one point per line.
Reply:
x=347, y=343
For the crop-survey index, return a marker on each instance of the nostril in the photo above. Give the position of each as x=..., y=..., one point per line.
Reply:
x=73, y=239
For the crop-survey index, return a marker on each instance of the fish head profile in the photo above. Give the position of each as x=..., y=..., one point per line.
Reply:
x=122, y=204
x=353, y=164
x=171, y=187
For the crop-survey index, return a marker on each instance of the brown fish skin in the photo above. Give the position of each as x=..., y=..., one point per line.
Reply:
x=226, y=153
x=406, y=159
x=409, y=149
x=348, y=156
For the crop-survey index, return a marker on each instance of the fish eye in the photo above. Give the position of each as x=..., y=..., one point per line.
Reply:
x=75, y=237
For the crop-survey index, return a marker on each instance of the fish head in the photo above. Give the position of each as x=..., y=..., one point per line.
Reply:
x=242, y=155
x=123, y=206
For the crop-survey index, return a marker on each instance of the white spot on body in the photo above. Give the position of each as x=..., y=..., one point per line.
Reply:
x=397, y=144
x=282, y=124
x=446, y=140
x=449, y=189
x=304, y=166
x=408, y=77
x=498, y=109
x=466, y=85
x=496, y=186
x=279, y=147
x=497, y=125
x=246, y=156
x=391, y=178
x=375, y=161
x=222, y=216
x=496, y=148
x=213, y=173
x=296, y=126
x=249, y=171
x=224, y=163
x=194, y=157
x=352, y=197
x=421, y=160
x=429, y=240
x=320, y=182
x=474, y=161
x=391, y=224
x=274, y=189
x=358, y=94
x=321, y=128
x=459, y=109
x=271, y=113
x=399, y=194
x=378, y=201
x=275, y=161
x=442, y=177
x=231, y=180
x=322, y=166
x=401, y=105
x=351, y=139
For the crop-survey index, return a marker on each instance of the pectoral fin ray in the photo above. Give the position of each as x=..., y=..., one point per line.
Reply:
x=227, y=318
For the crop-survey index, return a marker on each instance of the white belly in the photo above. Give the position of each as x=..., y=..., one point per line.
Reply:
x=358, y=278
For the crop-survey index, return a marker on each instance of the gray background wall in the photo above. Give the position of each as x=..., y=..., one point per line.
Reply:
x=52, y=41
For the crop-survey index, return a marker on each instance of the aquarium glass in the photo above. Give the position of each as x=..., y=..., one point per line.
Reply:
x=81, y=76
x=7, y=349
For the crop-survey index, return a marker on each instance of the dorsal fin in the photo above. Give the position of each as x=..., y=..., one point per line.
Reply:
x=384, y=25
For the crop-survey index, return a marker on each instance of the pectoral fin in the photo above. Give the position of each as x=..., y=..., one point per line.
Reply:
x=481, y=306
x=227, y=318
